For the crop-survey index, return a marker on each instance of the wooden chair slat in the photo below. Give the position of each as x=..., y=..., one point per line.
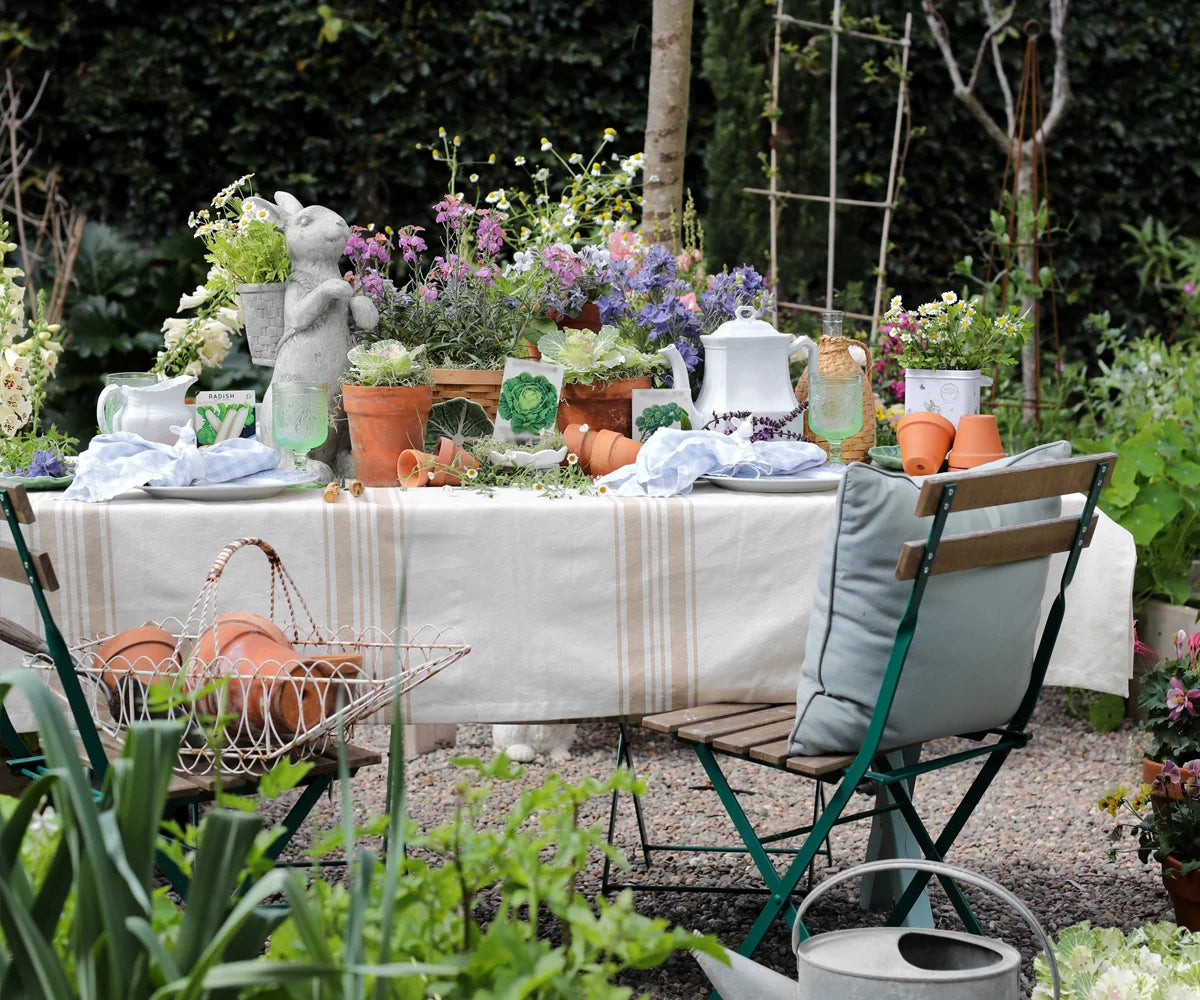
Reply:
x=740, y=742
x=1001, y=486
x=771, y=753
x=12, y=569
x=19, y=500
x=706, y=732
x=669, y=722
x=974, y=549
x=816, y=767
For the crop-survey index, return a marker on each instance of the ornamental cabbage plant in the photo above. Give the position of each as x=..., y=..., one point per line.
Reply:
x=588, y=356
x=529, y=403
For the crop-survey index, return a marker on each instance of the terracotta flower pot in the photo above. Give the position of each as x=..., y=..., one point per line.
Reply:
x=456, y=458
x=976, y=441
x=413, y=467
x=146, y=652
x=602, y=405
x=384, y=421
x=588, y=318
x=579, y=443
x=924, y=440
x=1151, y=769
x=1184, y=891
x=612, y=451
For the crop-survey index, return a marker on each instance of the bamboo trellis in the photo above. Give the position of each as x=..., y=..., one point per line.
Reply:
x=777, y=196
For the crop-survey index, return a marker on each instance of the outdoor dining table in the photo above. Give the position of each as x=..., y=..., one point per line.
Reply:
x=575, y=607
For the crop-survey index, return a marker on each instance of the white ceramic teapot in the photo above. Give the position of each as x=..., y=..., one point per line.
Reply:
x=745, y=369
x=150, y=411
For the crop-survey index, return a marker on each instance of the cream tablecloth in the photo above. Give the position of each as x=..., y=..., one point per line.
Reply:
x=586, y=607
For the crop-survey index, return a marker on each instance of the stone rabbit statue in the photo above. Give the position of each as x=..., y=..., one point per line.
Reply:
x=317, y=306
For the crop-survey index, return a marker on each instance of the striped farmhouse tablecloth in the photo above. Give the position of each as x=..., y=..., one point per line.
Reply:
x=581, y=607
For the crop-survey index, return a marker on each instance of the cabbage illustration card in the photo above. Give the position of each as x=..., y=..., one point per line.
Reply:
x=655, y=408
x=528, y=406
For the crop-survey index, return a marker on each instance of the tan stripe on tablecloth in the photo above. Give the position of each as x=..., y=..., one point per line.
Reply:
x=678, y=585
x=619, y=623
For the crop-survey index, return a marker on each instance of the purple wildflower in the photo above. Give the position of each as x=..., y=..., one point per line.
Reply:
x=451, y=210
x=409, y=243
x=612, y=306
x=657, y=271
x=1169, y=775
x=491, y=236
x=564, y=263
x=1191, y=778
x=372, y=286
x=1189, y=288
x=669, y=319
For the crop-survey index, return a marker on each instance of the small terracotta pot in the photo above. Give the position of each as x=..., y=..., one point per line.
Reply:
x=338, y=666
x=924, y=440
x=456, y=458
x=588, y=318
x=413, y=467
x=612, y=451
x=1184, y=891
x=147, y=652
x=976, y=441
x=602, y=405
x=579, y=443
x=383, y=421
x=260, y=623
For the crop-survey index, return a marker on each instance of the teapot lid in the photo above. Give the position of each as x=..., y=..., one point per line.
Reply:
x=746, y=324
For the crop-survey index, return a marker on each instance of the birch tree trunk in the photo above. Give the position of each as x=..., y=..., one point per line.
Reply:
x=988, y=53
x=666, y=120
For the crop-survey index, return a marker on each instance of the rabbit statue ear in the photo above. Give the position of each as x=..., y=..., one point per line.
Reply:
x=288, y=205
x=257, y=204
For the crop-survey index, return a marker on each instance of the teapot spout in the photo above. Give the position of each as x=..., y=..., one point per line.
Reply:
x=679, y=378
x=806, y=344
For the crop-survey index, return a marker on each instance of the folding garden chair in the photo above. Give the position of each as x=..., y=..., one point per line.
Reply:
x=870, y=695
x=190, y=787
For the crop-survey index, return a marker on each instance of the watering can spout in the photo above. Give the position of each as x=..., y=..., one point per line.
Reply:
x=679, y=379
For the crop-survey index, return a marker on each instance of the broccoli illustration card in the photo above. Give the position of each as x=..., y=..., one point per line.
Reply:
x=224, y=415
x=528, y=400
x=655, y=408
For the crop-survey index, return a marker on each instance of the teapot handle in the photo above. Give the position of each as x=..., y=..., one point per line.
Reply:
x=107, y=391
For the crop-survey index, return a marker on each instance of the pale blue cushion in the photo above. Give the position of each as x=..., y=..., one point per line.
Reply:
x=969, y=663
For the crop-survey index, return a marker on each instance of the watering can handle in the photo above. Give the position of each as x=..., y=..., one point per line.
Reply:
x=935, y=868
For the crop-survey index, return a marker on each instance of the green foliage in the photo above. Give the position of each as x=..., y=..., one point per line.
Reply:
x=424, y=906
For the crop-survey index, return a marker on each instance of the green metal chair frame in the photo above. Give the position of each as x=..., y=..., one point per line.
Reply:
x=886, y=770
x=37, y=570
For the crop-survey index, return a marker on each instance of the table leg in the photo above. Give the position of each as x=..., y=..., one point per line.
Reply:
x=426, y=736
x=891, y=838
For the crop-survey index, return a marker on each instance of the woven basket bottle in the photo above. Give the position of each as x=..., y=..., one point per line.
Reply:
x=833, y=358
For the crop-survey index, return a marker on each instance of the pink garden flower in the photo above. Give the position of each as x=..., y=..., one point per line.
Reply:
x=689, y=302
x=1179, y=700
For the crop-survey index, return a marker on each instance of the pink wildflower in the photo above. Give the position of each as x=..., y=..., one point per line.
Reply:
x=1189, y=288
x=689, y=302
x=1179, y=700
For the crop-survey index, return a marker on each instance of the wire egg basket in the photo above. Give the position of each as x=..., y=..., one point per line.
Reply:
x=249, y=691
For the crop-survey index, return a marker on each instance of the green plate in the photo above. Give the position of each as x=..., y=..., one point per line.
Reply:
x=886, y=455
x=39, y=482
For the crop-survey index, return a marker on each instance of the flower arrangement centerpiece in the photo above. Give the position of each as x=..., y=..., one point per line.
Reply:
x=947, y=344
x=28, y=357
x=658, y=297
x=956, y=334
x=243, y=248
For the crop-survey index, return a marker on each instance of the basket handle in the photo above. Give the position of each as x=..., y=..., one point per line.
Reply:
x=223, y=557
x=935, y=868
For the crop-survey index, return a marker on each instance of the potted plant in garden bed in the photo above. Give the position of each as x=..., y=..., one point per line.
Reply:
x=948, y=343
x=1170, y=699
x=387, y=395
x=600, y=372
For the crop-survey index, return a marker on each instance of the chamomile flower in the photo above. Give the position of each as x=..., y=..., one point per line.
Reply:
x=474, y=178
x=609, y=134
x=572, y=459
x=546, y=144
x=519, y=161
x=472, y=473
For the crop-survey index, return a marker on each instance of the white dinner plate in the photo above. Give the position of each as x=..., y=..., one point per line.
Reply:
x=776, y=484
x=256, y=487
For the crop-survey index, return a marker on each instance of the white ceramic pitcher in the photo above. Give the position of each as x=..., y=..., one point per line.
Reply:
x=150, y=411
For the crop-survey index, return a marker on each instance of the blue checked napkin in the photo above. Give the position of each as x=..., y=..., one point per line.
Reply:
x=671, y=461
x=114, y=463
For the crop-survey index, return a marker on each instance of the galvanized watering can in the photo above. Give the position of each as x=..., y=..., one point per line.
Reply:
x=889, y=963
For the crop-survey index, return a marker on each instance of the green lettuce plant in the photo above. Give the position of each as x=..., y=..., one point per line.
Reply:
x=589, y=356
x=1157, y=961
x=386, y=362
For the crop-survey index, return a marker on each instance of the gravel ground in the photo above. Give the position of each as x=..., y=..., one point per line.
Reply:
x=1037, y=832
